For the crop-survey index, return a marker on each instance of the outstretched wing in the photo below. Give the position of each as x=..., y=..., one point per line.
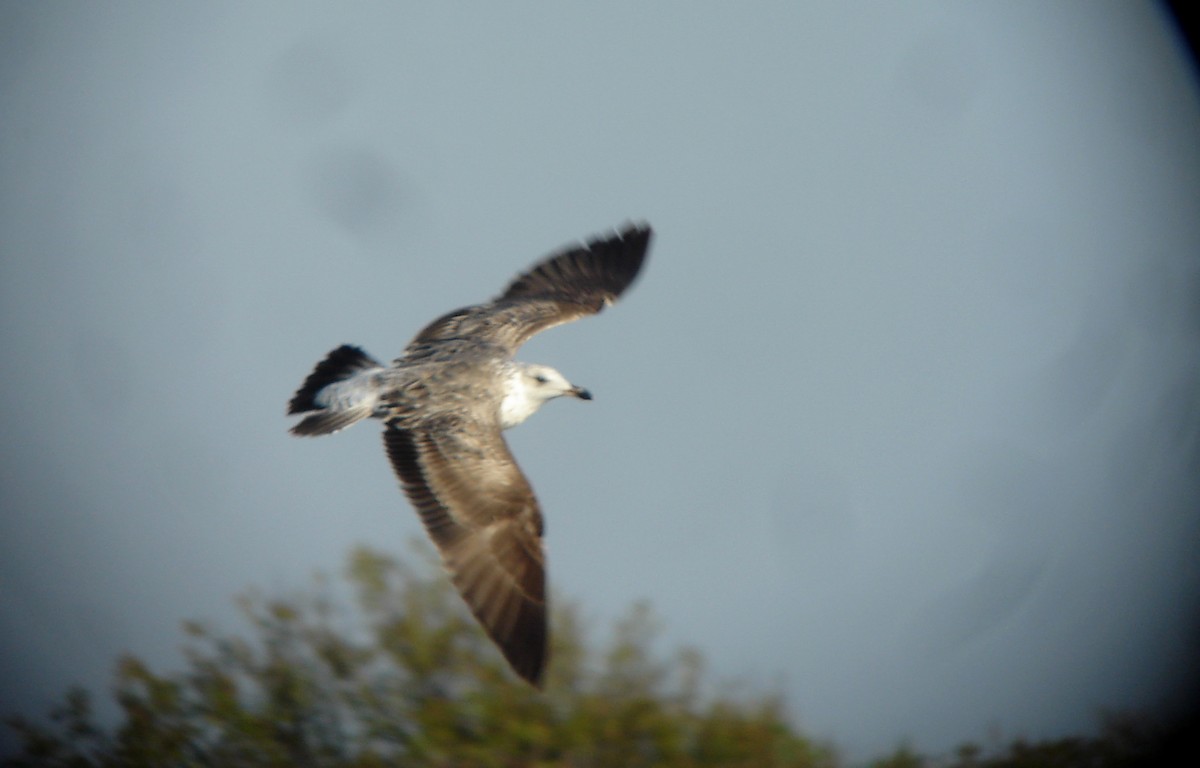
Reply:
x=573, y=283
x=481, y=513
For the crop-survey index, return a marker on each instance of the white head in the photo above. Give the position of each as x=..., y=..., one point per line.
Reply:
x=531, y=385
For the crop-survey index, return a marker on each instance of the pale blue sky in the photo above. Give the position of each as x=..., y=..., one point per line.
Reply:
x=903, y=412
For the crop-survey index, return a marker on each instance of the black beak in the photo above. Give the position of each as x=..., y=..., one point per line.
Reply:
x=581, y=393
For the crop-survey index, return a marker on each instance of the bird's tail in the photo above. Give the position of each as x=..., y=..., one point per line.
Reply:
x=333, y=411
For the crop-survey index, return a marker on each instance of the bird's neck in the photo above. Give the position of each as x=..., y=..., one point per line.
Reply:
x=518, y=403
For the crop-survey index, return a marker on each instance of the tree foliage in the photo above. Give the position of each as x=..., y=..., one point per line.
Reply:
x=1125, y=740
x=400, y=675
x=386, y=668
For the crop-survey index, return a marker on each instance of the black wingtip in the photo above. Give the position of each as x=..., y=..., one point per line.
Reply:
x=638, y=231
x=624, y=251
x=600, y=269
x=631, y=241
x=526, y=653
x=534, y=678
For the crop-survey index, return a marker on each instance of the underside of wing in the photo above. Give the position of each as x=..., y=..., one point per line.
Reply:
x=577, y=281
x=481, y=513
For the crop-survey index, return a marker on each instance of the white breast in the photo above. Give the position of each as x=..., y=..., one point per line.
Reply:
x=518, y=404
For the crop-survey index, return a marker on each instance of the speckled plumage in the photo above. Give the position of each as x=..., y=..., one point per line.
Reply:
x=445, y=403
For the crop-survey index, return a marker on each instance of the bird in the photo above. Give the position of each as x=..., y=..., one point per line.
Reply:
x=445, y=404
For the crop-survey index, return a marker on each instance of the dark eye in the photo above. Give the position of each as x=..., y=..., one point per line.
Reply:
x=540, y=379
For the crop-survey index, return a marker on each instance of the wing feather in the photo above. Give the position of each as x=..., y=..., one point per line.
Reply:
x=482, y=515
x=578, y=281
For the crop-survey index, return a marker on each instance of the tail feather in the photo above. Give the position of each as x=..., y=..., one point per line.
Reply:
x=328, y=422
x=341, y=363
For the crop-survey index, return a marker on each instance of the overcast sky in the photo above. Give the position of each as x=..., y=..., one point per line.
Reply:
x=904, y=411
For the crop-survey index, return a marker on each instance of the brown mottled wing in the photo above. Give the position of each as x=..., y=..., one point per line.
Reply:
x=481, y=513
x=573, y=283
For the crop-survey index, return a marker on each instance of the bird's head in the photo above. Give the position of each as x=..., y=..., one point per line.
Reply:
x=529, y=387
x=544, y=383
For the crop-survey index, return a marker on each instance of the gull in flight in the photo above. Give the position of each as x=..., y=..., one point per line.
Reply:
x=445, y=404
